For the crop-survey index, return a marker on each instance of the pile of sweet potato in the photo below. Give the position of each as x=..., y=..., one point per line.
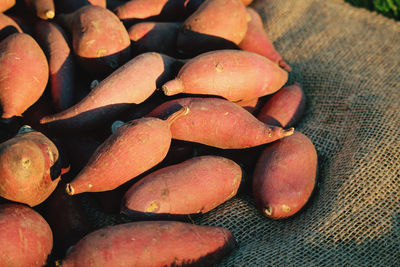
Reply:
x=158, y=110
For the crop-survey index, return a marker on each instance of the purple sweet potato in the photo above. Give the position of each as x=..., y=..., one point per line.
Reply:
x=256, y=40
x=233, y=74
x=53, y=40
x=8, y=26
x=24, y=73
x=132, y=149
x=130, y=84
x=285, y=176
x=285, y=108
x=219, y=123
x=6, y=4
x=25, y=237
x=152, y=244
x=43, y=9
x=154, y=37
x=30, y=167
x=99, y=39
x=216, y=24
x=197, y=185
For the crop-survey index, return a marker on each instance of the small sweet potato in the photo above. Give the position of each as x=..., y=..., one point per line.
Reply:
x=44, y=9
x=216, y=24
x=233, y=74
x=24, y=73
x=25, y=237
x=194, y=186
x=8, y=26
x=219, y=123
x=6, y=4
x=285, y=176
x=99, y=39
x=285, y=108
x=30, y=167
x=130, y=84
x=53, y=40
x=256, y=40
x=132, y=149
x=154, y=37
x=150, y=243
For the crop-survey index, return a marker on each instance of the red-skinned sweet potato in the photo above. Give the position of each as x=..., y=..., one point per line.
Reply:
x=194, y=186
x=8, y=26
x=152, y=244
x=23, y=73
x=285, y=108
x=25, y=237
x=256, y=40
x=219, y=123
x=6, y=4
x=99, y=39
x=285, y=176
x=54, y=43
x=30, y=167
x=132, y=149
x=154, y=37
x=43, y=9
x=233, y=74
x=216, y=24
x=130, y=84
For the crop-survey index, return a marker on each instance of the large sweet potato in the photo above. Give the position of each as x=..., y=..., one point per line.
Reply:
x=132, y=149
x=285, y=176
x=23, y=73
x=219, y=123
x=197, y=185
x=233, y=74
x=152, y=244
x=25, y=237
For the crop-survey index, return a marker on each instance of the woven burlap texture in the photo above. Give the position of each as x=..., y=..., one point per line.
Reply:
x=348, y=61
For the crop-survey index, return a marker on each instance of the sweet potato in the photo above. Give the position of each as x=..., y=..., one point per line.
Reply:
x=285, y=176
x=285, y=108
x=132, y=149
x=6, y=4
x=252, y=105
x=8, y=26
x=130, y=84
x=233, y=74
x=25, y=237
x=154, y=37
x=219, y=123
x=99, y=39
x=53, y=40
x=216, y=24
x=30, y=167
x=194, y=186
x=43, y=9
x=151, y=244
x=23, y=73
x=256, y=40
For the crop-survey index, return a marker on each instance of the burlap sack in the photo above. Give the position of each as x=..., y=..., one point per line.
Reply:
x=348, y=60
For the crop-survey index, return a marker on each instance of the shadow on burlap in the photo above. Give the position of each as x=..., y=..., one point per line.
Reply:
x=348, y=61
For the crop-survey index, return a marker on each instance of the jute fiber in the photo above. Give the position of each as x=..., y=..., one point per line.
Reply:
x=348, y=61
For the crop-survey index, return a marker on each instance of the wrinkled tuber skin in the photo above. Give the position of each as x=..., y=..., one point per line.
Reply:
x=152, y=243
x=25, y=237
x=285, y=176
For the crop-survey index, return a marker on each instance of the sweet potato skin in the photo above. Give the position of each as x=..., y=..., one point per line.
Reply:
x=216, y=24
x=256, y=40
x=6, y=4
x=219, y=123
x=53, y=40
x=233, y=74
x=285, y=108
x=285, y=176
x=151, y=244
x=25, y=237
x=197, y=185
x=21, y=85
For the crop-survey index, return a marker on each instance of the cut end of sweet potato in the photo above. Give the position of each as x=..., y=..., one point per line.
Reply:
x=288, y=132
x=267, y=211
x=69, y=189
x=181, y=112
x=173, y=87
x=49, y=14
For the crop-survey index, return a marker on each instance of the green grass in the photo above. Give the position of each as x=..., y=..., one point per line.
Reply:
x=389, y=8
